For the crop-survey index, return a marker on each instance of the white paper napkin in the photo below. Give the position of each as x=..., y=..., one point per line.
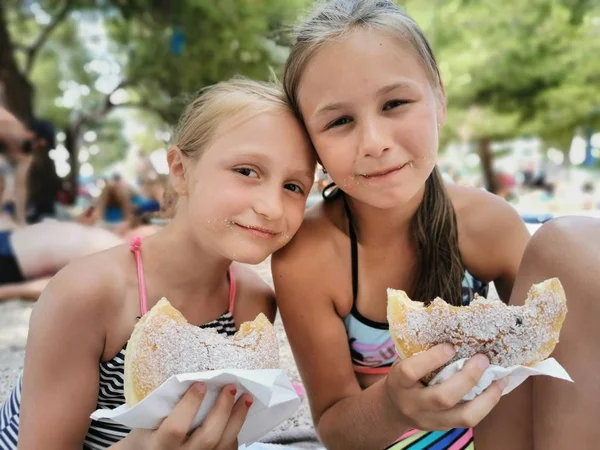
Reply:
x=517, y=374
x=274, y=401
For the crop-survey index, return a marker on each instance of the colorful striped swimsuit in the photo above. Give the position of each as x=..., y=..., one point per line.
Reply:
x=373, y=352
x=102, y=435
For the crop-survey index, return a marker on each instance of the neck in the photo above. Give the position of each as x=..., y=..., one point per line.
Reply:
x=184, y=263
x=376, y=226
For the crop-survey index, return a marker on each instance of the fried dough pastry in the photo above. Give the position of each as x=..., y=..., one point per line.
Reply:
x=507, y=335
x=163, y=344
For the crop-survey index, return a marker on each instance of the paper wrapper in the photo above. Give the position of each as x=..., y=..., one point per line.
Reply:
x=517, y=374
x=274, y=401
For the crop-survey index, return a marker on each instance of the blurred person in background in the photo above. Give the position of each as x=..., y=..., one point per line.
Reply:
x=15, y=162
x=43, y=183
x=589, y=197
x=31, y=254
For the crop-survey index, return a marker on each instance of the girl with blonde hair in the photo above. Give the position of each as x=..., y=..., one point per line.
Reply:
x=242, y=168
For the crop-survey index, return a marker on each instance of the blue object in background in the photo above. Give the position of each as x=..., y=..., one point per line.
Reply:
x=536, y=218
x=177, y=41
x=145, y=205
x=589, y=158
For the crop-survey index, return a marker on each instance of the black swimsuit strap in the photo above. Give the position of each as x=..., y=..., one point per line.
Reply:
x=354, y=253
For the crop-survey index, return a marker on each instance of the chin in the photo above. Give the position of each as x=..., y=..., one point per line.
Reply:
x=386, y=200
x=248, y=256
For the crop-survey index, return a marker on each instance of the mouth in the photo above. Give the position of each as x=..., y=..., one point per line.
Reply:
x=258, y=231
x=383, y=173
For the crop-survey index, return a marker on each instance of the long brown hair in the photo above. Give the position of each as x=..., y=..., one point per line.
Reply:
x=433, y=228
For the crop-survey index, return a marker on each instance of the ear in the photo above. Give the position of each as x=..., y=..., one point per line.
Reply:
x=177, y=170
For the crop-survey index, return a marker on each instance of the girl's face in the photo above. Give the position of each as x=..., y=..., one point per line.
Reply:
x=246, y=194
x=373, y=117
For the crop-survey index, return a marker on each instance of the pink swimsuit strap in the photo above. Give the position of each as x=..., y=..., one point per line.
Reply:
x=135, y=247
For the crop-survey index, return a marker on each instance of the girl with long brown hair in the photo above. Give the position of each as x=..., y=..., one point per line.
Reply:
x=365, y=83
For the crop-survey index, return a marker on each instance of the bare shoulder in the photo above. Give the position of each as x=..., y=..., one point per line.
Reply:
x=311, y=272
x=492, y=235
x=85, y=290
x=316, y=240
x=480, y=213
x=253, y=294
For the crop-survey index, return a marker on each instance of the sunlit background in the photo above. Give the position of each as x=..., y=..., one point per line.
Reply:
x=112, y=76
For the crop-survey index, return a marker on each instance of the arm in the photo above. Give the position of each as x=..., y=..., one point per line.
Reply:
x=64, y=347
x=345, y=416
x=28, y=290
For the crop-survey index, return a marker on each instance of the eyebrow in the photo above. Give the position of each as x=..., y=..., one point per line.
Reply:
x=265, y=158
x=333, y=106
x=303, y=173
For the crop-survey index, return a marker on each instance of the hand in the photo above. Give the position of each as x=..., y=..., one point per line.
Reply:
x=438, y=407
x=219, y=431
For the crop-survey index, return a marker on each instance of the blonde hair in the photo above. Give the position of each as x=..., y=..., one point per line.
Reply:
x=221, y=102
x=336, y=19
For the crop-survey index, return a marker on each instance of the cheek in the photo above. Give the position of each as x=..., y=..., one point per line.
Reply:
x=213, y=205
x=295, y=216
x=336, y=154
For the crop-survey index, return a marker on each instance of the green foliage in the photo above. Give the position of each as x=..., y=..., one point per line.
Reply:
x=526, y=67
x=510, y=67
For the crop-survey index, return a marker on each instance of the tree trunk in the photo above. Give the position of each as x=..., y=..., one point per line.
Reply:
x=17, y=92
x=72, y=141
x=487, y=165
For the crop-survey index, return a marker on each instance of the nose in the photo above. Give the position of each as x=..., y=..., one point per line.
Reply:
x=373, y=138
x=269, y=203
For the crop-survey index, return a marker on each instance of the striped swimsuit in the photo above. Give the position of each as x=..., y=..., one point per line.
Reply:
x=373, y=352
x=102, y=435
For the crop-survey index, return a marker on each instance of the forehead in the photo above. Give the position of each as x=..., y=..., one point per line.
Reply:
x=360, y=64
x=276, y=134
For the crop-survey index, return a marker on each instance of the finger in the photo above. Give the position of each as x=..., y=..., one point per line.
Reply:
x=469, y=414
x=410, y=371
x=174, y=429
x=448, y=393
x=236, y=421
x=208, y=435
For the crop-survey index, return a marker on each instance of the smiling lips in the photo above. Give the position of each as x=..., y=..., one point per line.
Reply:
x=260, y=232
x=383, y=173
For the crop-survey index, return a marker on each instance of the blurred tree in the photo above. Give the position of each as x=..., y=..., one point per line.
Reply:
x=515, y=68
x=91, y=57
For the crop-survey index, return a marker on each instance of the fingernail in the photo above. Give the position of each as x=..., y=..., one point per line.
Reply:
x=248, y=403
x=200, y=387
x=503, y=382
x=233, y=391
x=449, y=349
x=481, y=361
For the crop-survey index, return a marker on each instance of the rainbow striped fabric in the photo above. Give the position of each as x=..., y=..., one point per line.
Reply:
x=455, y=439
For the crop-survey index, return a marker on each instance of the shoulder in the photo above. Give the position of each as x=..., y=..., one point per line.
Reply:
x=312, y=273
x=85, y=291
x=491, y=232
x=253, y=293
x=318, y=239
x=481, y=214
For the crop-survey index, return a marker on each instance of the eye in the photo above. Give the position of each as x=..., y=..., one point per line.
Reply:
x=294, y=188
x=247, y=172
x=394, y=104
x=339, y=122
